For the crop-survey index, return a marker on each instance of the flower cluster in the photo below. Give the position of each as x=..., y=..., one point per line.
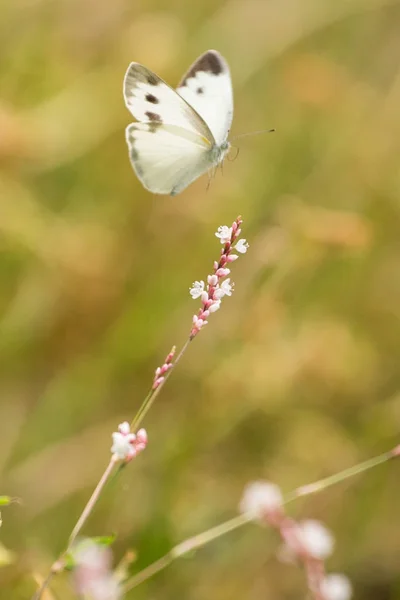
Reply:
x=127, y=445
x=308, y=542
x=217, y=286
x=160, y=373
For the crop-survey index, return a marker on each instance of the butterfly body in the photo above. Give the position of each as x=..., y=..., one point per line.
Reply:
x=182, y=133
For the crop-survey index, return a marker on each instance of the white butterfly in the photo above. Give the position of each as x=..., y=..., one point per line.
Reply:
x=183, y=133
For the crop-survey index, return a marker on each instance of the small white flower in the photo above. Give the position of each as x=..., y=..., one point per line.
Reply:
x=242, y=246
x=224, y=234
x=260, y=498
x=122, y=446
x=92, y=575
x=216, y=305
x=227, y=287
x=316, y=539
x=197, y=289
x=124, y=428
x=336, y=587
x=105, y=588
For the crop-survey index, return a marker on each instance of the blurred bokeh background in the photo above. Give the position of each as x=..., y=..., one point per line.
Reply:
x=296, y=378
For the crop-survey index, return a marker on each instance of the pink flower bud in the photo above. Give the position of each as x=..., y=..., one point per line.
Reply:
x=215, y=306
x=141, y=436
x=222, y=272
x=212, y=279
x=232, y=258
x=158, y=382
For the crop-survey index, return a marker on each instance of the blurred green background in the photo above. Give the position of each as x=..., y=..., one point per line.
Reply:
x=296, y=378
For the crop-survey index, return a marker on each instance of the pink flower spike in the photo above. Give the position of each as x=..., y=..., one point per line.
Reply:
x=127, y=445
x=212, y=293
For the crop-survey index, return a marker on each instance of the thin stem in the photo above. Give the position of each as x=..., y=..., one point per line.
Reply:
x=92, y=501
x=320, y=485
x=187, y=546
x=57, y=566
x=38, y=594
x=219, y=530
x=152, y=395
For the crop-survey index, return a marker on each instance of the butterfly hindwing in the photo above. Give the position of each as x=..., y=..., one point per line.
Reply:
x=207, y=87
x=166, y=158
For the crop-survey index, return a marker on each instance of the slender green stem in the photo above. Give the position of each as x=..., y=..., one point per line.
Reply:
x=58, y=565
x=219, y=530
x=320, y=485
x=92, y=501
x=187, y=546
x=152, y=395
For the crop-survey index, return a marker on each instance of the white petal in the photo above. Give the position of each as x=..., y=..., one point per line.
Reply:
x=242, y=246
x=260, y=497
x=336, y=587
x=316, y=539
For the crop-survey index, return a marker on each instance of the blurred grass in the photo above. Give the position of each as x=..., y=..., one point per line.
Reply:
x=296, y=378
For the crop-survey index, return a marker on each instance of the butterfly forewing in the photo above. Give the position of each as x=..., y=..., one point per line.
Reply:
x=207, y=87
x=149, y=98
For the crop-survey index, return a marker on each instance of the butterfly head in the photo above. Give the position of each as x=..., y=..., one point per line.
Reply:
x=218, y=153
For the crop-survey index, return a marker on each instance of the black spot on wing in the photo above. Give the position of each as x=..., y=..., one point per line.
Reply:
x=152, y=99
x=199, y=90
x=154, y=117
x=209, y=62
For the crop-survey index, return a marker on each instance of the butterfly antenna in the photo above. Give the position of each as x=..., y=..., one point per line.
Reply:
x=241, y=135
